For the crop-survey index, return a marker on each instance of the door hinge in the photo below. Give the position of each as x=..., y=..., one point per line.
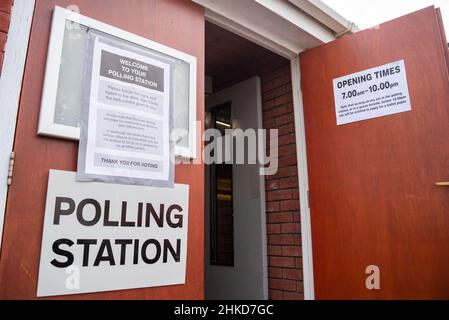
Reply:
x=10, y=168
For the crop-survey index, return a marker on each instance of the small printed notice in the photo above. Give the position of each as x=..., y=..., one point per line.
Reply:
x=372, y=93
x=126, y=118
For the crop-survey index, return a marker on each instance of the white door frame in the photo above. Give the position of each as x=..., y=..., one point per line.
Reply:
x=312, y=25
x=217, y=13
x=10, y=88
x=303, y=179
x=235, y=272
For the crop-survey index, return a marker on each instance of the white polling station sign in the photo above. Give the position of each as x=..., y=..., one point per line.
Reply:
x=372, y=93
x=104, y=236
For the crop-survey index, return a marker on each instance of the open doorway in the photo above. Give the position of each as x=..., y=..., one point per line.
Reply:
x=247, y=87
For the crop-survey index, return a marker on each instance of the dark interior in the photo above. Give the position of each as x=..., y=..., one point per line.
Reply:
x=231, y=59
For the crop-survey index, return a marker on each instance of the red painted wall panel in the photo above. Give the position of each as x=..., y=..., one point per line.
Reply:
x=5, y=14
x=176, y=23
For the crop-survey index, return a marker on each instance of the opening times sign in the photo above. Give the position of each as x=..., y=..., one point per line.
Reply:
x=126, y=118
x=105, y=236
x=372, y=93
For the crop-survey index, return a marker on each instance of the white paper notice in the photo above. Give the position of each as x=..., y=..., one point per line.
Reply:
x=128, y=123
x=372, y=93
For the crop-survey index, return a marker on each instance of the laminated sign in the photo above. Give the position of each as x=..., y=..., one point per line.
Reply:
x=106, y=236
x=372, y=93
x=126, y=115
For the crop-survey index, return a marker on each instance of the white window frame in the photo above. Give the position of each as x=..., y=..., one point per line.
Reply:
x=48, y=127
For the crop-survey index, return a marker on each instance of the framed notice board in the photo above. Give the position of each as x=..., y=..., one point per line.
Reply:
x=62, y=90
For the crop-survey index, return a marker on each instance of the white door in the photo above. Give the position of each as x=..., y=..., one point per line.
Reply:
x=247, y=277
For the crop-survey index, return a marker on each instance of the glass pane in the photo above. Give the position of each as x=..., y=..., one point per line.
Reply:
x=181, y=99
x=222, y=211
x=224, y=215
x=68, y=99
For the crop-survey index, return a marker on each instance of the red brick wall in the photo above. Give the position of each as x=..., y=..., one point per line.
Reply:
x=5, y=13
x=282, y=193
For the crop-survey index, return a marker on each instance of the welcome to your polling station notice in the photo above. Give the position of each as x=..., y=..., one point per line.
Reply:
x=128, y=118
x=372, y=93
